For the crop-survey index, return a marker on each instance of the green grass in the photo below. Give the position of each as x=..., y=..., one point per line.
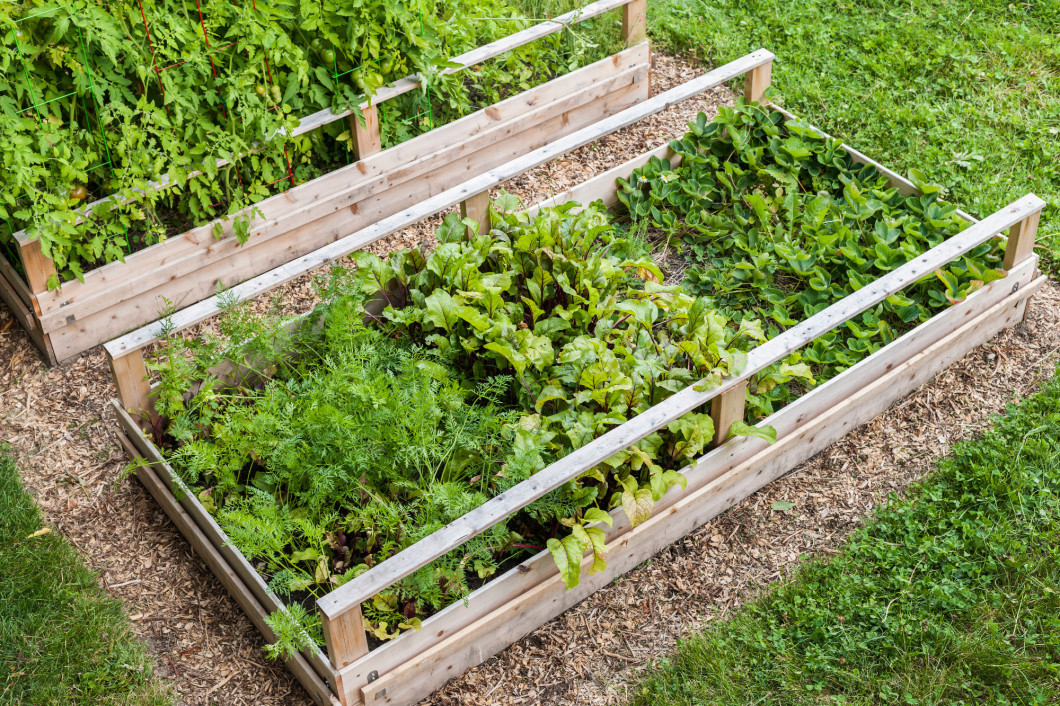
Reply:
x=950, y=596
x=966, y=91
x=62, y=639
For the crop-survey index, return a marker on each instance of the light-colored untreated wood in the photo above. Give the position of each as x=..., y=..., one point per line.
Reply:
x=366, y=138
x=757, y=81
x=477, y=209
x=274, y=278
x=220, y=568
x=474, y=644
x=571, y=466
x=132, y=433
x=130, y=377
x=1021, y=240
x=635, y=21
x=346, y=640
x=725, y=409
x=39, y=269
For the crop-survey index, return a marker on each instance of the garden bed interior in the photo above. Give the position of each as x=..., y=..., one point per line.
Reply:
x=189, y=267
x=464, y=634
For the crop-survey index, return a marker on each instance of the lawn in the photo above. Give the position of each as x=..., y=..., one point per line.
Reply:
x=62, y=639
x=967, y=92
x=951, y=595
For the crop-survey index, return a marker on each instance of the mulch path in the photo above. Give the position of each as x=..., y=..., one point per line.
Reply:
x=61, y=429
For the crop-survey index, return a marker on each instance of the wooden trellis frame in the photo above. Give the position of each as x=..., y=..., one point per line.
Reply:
x=187, y=268
x=463, y=635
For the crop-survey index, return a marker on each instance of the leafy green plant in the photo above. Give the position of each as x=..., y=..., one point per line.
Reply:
x=104, y=102
x=778, y=222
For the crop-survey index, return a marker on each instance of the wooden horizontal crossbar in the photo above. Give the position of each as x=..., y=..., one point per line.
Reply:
x=203, y=310
x=456, y=533
x=408, y=83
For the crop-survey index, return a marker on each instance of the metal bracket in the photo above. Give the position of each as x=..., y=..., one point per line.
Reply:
x=372, y=676
x=1015, y=287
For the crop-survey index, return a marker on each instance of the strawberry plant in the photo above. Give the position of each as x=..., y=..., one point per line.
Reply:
x=778, y=222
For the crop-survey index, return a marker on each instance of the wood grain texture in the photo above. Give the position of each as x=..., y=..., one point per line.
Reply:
x=487, y=636
x=715, y=463
x=757, y=81
x=220, y=568
x=1021, y=240
x=726, y=409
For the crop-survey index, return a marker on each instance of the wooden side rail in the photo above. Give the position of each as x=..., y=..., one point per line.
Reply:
x=367, y=139
x=346, y=600
x=634, y=31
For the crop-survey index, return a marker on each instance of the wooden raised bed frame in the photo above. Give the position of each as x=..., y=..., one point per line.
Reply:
x=515, y=603
x=120, y=296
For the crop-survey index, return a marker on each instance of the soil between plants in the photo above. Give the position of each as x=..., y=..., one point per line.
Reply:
x=61, y=428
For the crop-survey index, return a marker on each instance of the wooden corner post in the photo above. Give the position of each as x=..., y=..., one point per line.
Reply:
x=130, y=377
x=39, y=269
x=757, y=81
x=635, y=21
x=477, y=208
x=347, y=642
x=725, y=409
x=366, y=138
x=1021, y=240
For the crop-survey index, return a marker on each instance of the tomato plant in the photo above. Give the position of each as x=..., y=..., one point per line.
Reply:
x=118, y=97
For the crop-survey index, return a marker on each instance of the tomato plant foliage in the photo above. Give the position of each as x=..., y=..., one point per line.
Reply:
x=104, y=101
x=428, y=383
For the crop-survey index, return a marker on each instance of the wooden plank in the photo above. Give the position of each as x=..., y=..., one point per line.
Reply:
x=366, y=138
x=14, y=280
x=262, y=283
x=757, y=81
x=10, y=296
x=727, y=409
x=566, y=469
x=480, y=640
x=129, y=432
x=220, y=568
x=635, y=21
x=1021, y=240
x=533, y=571
x=602, y=186
x=477, y=209
x=38, y=268
x=346, y=188
x=202, y=280
x=134, y=389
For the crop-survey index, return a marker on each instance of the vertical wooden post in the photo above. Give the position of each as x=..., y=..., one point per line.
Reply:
x=1021, y=240
x=757, y=81
x=130, y=377
x=366, y=138
x=725, y=409
x=477, y=208
x=346, y=642
x=635, y=21
x=38, y=267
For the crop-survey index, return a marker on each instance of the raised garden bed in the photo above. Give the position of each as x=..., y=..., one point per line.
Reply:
x=186, y=268
x=519, y=600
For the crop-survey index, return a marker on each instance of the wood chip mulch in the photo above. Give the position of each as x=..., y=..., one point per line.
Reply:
x=61, y=429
